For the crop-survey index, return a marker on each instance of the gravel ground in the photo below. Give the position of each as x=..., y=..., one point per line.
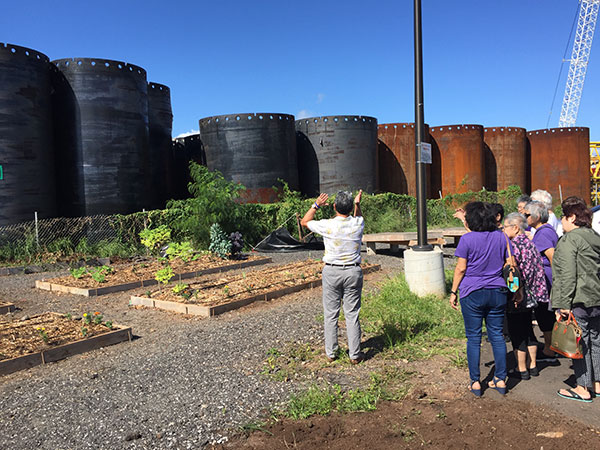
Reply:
x=181, y=383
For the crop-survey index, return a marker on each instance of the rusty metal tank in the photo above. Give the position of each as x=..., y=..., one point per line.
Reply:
x=505, y=157
x=458, y=159
x=101, y=121
x=396, y=159
x=160, y=125
x=255, y=150
x=184, y=150
x=337, y=153
x=560, y=161
x=27, y=181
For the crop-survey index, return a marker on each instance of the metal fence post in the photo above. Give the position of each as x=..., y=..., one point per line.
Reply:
x=37, y=230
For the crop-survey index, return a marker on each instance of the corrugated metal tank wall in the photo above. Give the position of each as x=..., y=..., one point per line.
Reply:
x=185, y=149
x=560, y=160
x=458, y=159
x=102, y=136
x=337, y=153
x=26, y=144
x=160, y=125
x=253, y=149
x=505, y=158
x=396, y=159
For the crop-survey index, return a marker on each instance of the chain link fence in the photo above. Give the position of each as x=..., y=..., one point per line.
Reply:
x=65, y=234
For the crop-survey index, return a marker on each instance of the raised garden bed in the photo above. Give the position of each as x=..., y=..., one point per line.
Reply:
x=212, y=297
x=6, y=308
x=131, y=276
x=50, y=337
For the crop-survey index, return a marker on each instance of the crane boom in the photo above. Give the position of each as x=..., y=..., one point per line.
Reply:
x=582, y=45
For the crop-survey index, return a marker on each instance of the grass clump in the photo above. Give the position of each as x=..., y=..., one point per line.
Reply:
x=406, y=324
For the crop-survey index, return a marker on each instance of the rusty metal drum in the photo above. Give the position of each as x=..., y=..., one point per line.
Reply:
x=337, y=153
x=458, y=158
x=505, y=157
x=560, y=162
x=396, y=159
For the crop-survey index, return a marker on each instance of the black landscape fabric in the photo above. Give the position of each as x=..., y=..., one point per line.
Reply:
x=281, y=240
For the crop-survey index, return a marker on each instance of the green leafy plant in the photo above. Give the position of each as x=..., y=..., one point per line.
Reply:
x=97, y=318
x=220, y=244
x=183, y=251
x=226, y=290
x=78, y=273
x=68, y=316
x=84, y=331
x=99, y=274
x=87, y=319
x=179, y=288
x=164, y=275
x=108, y=324
x=154, y=238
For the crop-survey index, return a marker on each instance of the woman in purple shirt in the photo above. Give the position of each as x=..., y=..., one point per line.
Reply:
x=481, y=255
x=544, y=239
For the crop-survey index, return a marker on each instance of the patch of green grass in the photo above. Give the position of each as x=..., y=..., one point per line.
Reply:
x=390, y=384
x=407, y=325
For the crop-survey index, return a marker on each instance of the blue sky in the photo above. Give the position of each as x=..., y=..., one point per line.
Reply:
x=493, y=63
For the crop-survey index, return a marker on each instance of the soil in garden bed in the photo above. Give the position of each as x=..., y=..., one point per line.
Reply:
x=146, y=270
x=212, y=292
x=19, y=337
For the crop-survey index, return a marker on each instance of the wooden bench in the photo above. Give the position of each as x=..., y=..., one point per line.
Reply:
x=409, y=238
x=401, y=238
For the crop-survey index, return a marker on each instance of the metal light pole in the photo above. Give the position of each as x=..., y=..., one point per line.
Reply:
x=422, y=244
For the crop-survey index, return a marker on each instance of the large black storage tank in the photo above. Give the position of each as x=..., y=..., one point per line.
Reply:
x=26, y=150
x=101, y=110
x=253, y=149
x=160, y=126
x=184, y=149
x=337, y=153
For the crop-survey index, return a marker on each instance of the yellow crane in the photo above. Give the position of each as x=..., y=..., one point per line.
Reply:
x=595, y=171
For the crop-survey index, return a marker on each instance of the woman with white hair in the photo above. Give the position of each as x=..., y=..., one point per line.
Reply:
x=544, y=197
x=545, y=239
x=535, y=290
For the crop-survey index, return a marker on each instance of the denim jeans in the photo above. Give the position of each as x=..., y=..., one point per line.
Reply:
x=488, y=304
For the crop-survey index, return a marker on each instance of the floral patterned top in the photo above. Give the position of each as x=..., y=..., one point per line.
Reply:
x=530, y=264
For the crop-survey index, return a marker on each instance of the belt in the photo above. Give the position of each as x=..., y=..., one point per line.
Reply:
x=343, y=265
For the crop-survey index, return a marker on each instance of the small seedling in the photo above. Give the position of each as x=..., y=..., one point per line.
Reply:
x=87, y=319
x=84, y=331
x=42, y=332
x=108, y=324
x=97, y=318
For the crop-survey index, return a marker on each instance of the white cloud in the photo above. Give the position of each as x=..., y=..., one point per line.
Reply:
x=304, y=113
x=189, y=133
x=320, y=97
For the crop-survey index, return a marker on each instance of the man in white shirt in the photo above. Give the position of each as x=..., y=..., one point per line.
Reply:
x=342, y=274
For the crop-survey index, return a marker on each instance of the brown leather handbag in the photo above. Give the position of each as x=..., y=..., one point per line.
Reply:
x=566, y=337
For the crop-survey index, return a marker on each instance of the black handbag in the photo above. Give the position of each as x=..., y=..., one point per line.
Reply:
x=514, y=280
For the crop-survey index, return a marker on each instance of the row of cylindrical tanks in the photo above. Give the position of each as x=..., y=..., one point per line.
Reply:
x=87, y=136
x=80, y=137
x=327, y=154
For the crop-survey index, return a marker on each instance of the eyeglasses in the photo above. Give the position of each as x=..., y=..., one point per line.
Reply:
x=526, y=215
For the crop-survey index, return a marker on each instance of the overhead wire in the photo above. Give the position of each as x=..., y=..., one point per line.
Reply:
x=562, y=64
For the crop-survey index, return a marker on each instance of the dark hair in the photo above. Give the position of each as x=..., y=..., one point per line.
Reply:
x=344, y=202
x=523, y=199
x=480, y=217
x=577, y=207
x=497, y=208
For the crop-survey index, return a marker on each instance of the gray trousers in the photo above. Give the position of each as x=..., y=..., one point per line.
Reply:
x=342, y=283
x=587, y=369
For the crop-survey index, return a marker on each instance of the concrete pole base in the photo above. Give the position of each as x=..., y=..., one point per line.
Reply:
x=424, y=272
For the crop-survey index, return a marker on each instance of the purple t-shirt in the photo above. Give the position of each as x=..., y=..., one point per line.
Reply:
x=544, y=238
x=485, y=252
